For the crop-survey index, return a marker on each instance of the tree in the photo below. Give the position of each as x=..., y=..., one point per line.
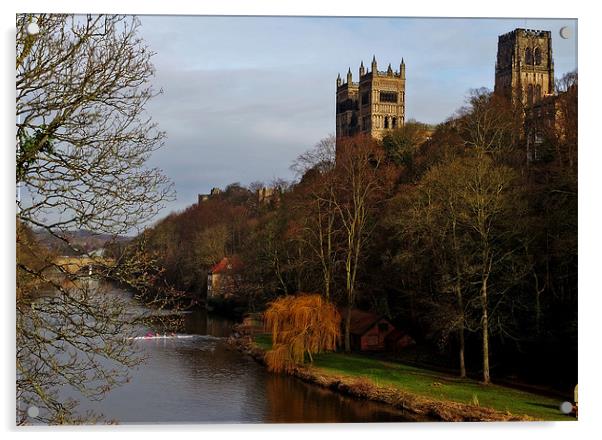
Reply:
x=360, y=182
x=488, y=199
x=83, y=139
x=465, y=217
x=315, y=208
x=434, y=223
x=486, y=207
x=210, y=245
x=493, y=125
x=321, y=158
x=305, y=324
x=401, y=144
x=492, y=129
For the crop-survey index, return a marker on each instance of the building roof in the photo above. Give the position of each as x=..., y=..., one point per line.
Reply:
x=226, y=264
x=361, y=321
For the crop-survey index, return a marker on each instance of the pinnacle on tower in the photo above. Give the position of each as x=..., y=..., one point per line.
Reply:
x=402, y=69
x=374, y=63
x=349, y=76
x=362, y=69
x=338, y=80
x=389, y=70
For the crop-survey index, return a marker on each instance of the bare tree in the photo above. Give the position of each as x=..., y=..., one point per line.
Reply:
x=360, y=177
x=316, y=207
x=435, y=218
x=320, y=158
x=83, y=135
x=491, y=124
x=466, y=215
x=83, y=139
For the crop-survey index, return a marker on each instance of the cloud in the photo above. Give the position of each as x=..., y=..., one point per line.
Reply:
x=243, y=96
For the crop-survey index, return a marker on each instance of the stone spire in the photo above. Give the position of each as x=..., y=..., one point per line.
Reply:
x=389, y=70
x=349, y=76
x=402, y=70
x=374, y=69
x=362, y=70
x=338, y=80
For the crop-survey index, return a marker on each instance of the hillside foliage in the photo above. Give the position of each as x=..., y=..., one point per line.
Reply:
x=451, y=232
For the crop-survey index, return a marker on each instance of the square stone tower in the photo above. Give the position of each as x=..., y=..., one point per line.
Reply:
x=374, y=105
x=524, y=71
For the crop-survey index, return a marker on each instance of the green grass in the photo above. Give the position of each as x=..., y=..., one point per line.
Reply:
x=433, y=384
x=263, y=341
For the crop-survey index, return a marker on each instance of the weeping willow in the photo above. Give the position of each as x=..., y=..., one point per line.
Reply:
x=301, y=325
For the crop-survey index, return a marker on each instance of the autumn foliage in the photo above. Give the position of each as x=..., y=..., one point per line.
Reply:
x=300, y=325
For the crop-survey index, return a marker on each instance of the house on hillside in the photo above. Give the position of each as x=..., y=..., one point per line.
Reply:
x=372, y=332
x=224, y=278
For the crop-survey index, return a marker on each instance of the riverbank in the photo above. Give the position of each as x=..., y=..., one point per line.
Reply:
x=417, y=391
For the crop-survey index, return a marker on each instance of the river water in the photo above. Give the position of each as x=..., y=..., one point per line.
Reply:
x=202, y=379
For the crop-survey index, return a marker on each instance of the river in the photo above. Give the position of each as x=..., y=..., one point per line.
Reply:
x=202, y=379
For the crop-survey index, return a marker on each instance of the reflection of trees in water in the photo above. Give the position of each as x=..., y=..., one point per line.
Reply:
x=74, y=338
x=219, y=326
x=221, y=384
x=212, y=361
x=169, y=323
x=292, y=401
x=197, y=322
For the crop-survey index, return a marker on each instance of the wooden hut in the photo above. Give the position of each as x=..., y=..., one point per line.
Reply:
x=368, y=330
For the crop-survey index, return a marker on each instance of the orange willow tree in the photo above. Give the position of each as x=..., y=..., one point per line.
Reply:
x=300, y=325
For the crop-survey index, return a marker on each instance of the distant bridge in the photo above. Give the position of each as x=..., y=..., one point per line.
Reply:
x=82, y=264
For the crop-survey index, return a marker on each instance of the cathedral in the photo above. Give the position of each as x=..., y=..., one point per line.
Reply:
x=524, y=74
x=373, y=105
x=524, y=71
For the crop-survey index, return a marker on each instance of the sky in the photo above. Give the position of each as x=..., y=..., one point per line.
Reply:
x=244, y=96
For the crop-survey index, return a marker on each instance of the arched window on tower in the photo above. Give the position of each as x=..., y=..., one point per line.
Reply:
x=537, y=92
x=528, y=56
x=530, y=94
x=386, y=122
x=537, y=56
x=393, y=122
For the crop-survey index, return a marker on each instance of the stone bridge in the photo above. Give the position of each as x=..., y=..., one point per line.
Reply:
x=81, y=264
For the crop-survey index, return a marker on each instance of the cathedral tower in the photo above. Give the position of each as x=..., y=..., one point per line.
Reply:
x=373, y=105
x=524, y=71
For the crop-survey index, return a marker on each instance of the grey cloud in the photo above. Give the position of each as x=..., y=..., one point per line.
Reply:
x=244, y=96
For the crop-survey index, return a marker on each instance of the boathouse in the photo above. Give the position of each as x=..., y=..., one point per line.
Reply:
x=368, y=330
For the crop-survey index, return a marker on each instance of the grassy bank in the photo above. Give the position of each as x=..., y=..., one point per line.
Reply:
x=433, y=385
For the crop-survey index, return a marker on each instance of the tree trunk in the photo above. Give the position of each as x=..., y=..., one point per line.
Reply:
x=538, y=292
x=485, y=324
x=462, y=364
x=458, y=287
x=299, y=274
x=461, y=332
x=328, y=259
x=347, y=330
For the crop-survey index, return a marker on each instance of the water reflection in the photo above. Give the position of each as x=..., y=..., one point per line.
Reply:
x=292, y=401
